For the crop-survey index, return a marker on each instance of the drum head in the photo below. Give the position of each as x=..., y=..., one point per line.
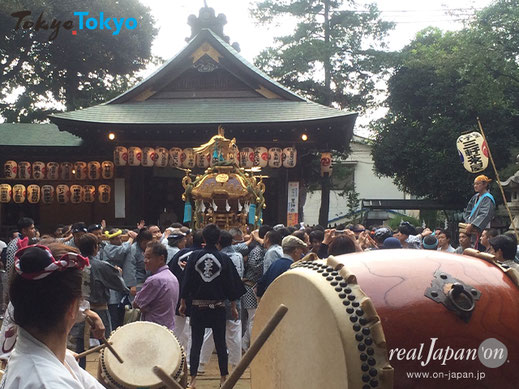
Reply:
x=316, y=345
x=142, y=345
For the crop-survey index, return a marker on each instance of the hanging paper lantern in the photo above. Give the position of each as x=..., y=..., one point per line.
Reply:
x=94, y=170
x=148, y=157
x=104, y=193
x=247, y=157
x=326, y=163
x=261, y=156
x=81, y=170
x=47, y=194
x=289, y=157
x=38, y=170
x=473, y=152
x=134, y=156
x=275, y=157
x=66, y=170
x=5, y=193
x=121, y=156
x=10, y=169
x=203, y=160
x=62, y=194
x=162, y=157
x=24, y=170
x=19, y=193
x=107, y=170
x=188, y=158
x=33, y=194
x=234, y=155
x=175, y=157
x=76, y=194
x=52, y=171
x=89, y=192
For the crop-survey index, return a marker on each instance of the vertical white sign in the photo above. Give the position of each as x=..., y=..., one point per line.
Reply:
x=293, y=203
x=120, y=198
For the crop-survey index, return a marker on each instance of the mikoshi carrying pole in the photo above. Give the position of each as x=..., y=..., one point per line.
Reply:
x=498, y=180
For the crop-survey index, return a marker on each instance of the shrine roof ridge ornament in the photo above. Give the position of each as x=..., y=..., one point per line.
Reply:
x=207, y=19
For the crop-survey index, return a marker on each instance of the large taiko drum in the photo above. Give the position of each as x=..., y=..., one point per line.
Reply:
x=141, y=345
x=401, y=319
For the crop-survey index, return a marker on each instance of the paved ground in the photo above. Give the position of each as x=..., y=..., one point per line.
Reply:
x=209, y=380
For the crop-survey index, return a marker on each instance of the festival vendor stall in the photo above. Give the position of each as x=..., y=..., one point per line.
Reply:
x=225, y=194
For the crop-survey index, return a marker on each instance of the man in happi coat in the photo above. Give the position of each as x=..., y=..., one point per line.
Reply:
x=480, y=209
x=209, y=279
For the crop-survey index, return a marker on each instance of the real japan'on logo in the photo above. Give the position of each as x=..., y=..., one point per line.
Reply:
x=208, y=267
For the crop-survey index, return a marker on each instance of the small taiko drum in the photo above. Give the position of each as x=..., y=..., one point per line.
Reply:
x=142, y=345
x=399, y=319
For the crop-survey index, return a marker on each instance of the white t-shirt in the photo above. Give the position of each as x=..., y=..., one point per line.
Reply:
x=33, y=365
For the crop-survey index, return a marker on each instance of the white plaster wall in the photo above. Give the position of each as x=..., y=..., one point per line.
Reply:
x=367, y=184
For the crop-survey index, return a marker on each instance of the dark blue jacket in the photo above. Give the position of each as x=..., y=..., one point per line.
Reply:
x=275, y=270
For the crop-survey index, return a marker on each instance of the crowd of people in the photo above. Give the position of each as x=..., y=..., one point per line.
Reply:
x=203, y=285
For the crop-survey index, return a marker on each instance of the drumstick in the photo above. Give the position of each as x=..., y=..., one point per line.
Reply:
x=255, y=347
x=166, y=379
x=90, y=351
x=103, y=339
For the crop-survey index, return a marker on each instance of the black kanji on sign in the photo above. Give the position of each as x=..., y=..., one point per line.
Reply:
x=475, y=162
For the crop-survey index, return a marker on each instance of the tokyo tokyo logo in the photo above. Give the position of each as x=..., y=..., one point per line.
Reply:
x=85, y=21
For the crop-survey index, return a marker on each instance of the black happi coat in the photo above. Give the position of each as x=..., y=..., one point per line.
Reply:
x=211, y=275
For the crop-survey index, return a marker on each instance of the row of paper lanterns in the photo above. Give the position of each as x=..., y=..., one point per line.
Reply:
x=247, y=157
x=47, y=194
x=59, y=170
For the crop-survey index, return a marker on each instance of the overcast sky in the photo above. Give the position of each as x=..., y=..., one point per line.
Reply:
x=410, y=17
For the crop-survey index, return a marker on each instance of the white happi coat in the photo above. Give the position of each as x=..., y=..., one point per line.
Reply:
x=33, y=365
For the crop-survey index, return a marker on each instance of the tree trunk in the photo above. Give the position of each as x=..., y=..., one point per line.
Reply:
x=325, y=200
x=71, y=86
x=326, y=59
x=326, y=180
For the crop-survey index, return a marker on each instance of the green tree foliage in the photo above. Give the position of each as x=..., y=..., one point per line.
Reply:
x=37, y=74
x=333, y=56
x=442, y=82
